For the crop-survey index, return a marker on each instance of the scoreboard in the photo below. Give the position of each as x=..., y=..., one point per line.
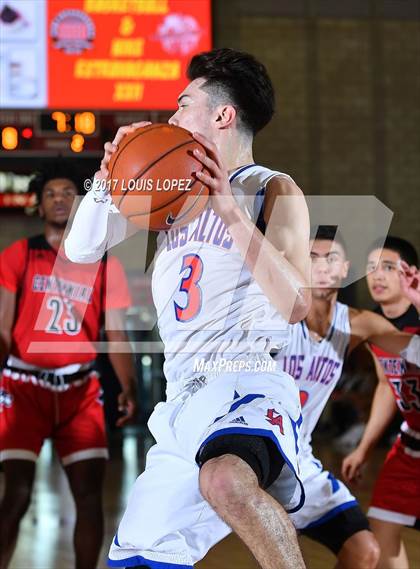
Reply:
x=33, y=132
x=98, y=54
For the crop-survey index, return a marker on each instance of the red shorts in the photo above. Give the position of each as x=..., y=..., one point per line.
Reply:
x=73, y=419
x=396, y=495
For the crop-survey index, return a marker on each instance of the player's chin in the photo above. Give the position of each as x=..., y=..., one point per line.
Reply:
x=379, y=296
x=323, y=292
x=59, y=220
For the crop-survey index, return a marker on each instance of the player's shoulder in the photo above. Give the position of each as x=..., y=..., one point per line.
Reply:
x=18, y=248
x=256, y=175
x=281, y=184
x=360, y=315
x=114, y=267
x=366, y=321
x=111, y=261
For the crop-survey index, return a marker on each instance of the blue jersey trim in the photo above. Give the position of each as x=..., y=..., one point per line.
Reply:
x=259, y=210
x=332, y=513
x=246, y=399
x=334, y=482
x=260, y=433
x=330, y=335
x=236, y=174
x=330, y=332
x=295, y=426
x=139, y=560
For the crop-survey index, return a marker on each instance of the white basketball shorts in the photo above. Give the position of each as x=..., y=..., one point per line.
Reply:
x=325, y=496
x=167, y=523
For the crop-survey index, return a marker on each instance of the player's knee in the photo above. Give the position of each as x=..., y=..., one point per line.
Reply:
x=18, y=499
x=86, y=494
x=363, y=553
x=368, y=556
x=226, y=479
x=257, y=456
x=373, y=553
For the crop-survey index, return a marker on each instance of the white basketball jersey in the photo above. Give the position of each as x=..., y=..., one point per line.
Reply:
x=208, y=304
x=316, y=367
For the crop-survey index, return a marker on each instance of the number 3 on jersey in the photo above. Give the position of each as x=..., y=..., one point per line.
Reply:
x=189, y=284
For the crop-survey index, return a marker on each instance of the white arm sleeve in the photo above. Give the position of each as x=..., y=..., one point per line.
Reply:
x=96, y=227
x=412, y=352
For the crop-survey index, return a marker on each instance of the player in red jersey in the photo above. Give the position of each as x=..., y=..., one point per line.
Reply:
x=394, y=283
x=51, y=312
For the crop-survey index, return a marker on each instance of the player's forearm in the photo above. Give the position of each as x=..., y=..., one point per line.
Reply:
x=86, y=241
x=411, y=352
x=5, y=342
x=281, y=282
x=382, y=411
x=124, y=369
x=401, y=343
x=95, y=228
x=121, y=358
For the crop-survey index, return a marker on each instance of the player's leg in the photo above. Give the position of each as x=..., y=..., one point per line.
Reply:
x=393, y=553
x=80, y=441
x=248, y=449
x=86, y=483
x=167, y=522
x=336, y=521
x=18, y=482
x=232, y=488
x=395, y=504
x=347, y=535
x=21, y=404
x=360, y=551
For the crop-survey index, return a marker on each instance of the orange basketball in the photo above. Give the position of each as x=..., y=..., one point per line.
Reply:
x=152, y=177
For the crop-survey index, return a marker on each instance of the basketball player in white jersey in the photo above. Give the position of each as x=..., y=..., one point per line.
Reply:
x=314, y=357
x=225, y=435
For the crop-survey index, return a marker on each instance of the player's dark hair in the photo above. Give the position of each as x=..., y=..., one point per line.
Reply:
x=328, y=233
x=239, y=79
x=53, y=169
x=404, y=248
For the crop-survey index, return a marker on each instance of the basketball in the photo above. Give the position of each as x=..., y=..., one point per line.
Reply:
x=152, y=177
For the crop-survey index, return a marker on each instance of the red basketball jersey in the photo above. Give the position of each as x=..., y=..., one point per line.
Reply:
x=60, y=305
x=403, y=377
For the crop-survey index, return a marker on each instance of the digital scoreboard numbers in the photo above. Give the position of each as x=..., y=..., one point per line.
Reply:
x=99, y=54
x=56, y=130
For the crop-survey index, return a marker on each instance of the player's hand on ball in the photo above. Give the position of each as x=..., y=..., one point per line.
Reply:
x=216, y=178
x=351, y=468
x=111, y=147
x=410, y=283
x=127, y=404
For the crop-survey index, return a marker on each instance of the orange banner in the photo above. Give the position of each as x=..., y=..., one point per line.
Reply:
x=125, y=54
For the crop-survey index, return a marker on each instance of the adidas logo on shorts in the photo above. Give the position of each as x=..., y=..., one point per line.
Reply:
x=239, y=420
